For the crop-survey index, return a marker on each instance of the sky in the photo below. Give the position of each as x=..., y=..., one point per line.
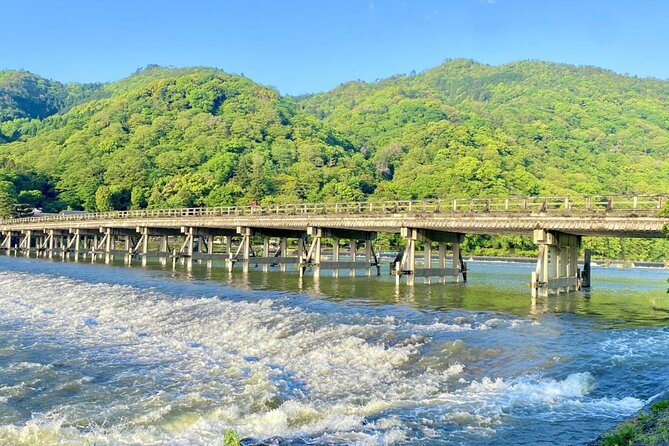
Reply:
x=306, y=46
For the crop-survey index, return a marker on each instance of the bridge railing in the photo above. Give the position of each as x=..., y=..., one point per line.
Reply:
x=528, y=205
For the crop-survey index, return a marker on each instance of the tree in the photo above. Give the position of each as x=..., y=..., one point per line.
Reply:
x=8, y=200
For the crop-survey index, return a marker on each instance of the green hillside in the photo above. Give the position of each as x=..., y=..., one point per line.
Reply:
x=177, y=138
x=465, y=128
x=26, y=95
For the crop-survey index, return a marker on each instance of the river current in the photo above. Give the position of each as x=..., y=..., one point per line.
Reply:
x=111, y=355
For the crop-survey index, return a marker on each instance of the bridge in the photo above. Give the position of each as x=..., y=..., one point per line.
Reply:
x=228, y=234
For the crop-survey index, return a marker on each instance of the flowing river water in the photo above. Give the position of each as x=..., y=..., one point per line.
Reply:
x=111, y=355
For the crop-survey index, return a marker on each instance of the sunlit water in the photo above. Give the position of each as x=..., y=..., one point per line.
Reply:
x=95, y=354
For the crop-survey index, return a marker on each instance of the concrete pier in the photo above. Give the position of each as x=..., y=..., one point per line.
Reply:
x=557, y=266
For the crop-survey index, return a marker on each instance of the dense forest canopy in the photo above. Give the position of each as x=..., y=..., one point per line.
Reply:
x=176, y=137
x=524, y=128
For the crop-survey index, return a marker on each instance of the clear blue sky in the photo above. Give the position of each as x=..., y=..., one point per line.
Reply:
x=305, y=46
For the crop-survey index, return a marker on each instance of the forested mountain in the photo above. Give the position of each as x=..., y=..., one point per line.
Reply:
x=26, y=95
x=465, y=128
x=178, y=138
x=167, y=137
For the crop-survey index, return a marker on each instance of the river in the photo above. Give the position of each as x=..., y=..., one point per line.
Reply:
x=108, y=355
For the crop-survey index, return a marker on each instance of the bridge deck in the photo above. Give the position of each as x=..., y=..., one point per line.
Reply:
x=628, y=216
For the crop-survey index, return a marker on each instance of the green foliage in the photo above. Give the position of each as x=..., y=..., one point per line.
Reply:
x=231, y=438
x=8, y=199
x=112, y=198
x=645, y=429
x=32, y=198
x=187, y=137
x=622, y=436
x=660, y=406
x=25, y=95
x=465, y=128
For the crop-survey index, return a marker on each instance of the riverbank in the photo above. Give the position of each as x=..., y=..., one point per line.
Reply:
x=598, y=262
x=649, y=427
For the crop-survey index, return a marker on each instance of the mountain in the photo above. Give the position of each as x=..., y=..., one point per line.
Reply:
x=26, y=95
x=180, y=137
x=465, y=128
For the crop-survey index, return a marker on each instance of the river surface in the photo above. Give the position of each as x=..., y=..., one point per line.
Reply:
x=111, y=355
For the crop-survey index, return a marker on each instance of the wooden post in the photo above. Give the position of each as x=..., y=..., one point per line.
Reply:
x=108, y=246
x=335, y=256
x=283, y=246
x=265, y=253
x=300, y=256
x=64, y=244
x=442, y=259
x=164, y=246
x=411, y=261
x=368, y=256
x=145, y=246
x=230, y=262
x=94, y=249
x=52, y=243
x=563, y=264
x=538, y=284
x=76, y=240
x=427, y=258
x=246, y=249
x=585, y=275
x=317, y=253
x=190, y=249
x=210, y=250
x=457, y=264
x=127, y=246
x=354, y=255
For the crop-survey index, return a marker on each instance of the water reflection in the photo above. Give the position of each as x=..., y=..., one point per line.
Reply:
x=618, y=297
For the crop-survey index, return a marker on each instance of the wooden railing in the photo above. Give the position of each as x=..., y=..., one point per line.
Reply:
x=587, y=204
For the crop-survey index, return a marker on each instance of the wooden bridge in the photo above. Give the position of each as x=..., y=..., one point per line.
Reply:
x=227, y=234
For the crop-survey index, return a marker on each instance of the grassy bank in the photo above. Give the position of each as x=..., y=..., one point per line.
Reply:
x=647, y=428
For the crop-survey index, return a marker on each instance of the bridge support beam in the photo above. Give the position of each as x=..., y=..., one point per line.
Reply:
x=585, y=274
x=405, y=262
x=107, y=244
x=80, y=242
x=198, y=245
x=7, y=239
x=25, y=245
x=246, y=254
x=314, y=255
x=557, y=266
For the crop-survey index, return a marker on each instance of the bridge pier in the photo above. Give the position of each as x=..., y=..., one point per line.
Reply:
x=141, y=248
x=6, y=244
x=198, y=245
x=107, y=244
x=405, y=263
x=79, y=242
x=314, y=256
x=247, y=255
x=585, y=274
x=557, y=266
x=25, y=244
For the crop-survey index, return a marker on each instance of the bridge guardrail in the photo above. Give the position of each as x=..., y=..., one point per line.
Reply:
x=530, y=204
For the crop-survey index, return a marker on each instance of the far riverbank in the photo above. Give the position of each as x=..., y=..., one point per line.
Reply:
x=598, y=262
